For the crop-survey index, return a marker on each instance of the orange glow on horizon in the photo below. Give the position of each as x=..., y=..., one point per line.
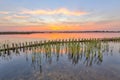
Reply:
x=66, y=27
x=55, y=28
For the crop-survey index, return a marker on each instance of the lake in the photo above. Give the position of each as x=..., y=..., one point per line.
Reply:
x=52, y=36
x=72, y=60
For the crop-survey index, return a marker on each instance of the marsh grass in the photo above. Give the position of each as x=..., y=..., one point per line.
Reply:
x=91, y=50
x=12, y=46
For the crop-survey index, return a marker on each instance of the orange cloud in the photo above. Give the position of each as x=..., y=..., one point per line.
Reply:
x=52, y=12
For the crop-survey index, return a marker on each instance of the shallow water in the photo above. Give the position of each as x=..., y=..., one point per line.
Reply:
x=64, y=61
x=53, y=36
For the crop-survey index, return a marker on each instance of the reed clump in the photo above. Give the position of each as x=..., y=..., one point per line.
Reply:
x=89, y=50
x=8, y=46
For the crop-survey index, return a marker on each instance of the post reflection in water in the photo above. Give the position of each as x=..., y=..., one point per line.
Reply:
x=87, y=53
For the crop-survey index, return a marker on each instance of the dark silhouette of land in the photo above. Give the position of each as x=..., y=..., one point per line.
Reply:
x=33, y=32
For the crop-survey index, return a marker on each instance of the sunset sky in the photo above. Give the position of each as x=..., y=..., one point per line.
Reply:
x=45, y=15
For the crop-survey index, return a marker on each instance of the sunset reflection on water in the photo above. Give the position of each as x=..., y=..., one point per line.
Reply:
x=53, y=36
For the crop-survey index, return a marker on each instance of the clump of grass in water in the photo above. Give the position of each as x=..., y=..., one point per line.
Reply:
x=6, y=46
x=77, y=49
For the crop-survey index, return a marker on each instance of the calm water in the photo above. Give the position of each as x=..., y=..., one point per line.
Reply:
x=65, y=61
x=53, y=36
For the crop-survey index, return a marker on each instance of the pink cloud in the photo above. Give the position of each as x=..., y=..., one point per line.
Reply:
x=15, y=17
x=4, y=12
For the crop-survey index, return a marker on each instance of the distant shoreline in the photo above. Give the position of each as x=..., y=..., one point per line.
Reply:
x=35, y=32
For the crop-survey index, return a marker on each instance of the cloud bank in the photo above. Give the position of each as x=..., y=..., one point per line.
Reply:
x=63, y=11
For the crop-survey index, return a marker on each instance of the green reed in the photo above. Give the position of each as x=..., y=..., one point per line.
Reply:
x=8, y=46
x=91, y=50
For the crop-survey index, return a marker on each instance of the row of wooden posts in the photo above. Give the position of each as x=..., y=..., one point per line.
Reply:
x=8, y=46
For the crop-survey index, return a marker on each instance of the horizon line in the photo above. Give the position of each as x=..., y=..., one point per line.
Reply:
x=33, y=32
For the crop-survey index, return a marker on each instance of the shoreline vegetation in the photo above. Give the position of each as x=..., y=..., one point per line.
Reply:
x=35, y=32
x=87, y=51
x=13, y=46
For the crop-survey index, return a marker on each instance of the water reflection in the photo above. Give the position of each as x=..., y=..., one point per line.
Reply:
x=88, y=53
x=62, y=59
